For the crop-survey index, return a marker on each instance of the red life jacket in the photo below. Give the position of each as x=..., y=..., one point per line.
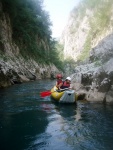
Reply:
x=65, y=85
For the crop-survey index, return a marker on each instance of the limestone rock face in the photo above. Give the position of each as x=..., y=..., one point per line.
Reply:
x=103, y=51
x=96, y=77
x=15, y=70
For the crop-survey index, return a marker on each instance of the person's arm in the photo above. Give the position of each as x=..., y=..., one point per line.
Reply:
x=58, y=86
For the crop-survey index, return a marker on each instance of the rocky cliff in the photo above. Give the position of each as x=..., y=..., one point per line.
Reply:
x=14, y=68
x=88, y=24
x=95, y=78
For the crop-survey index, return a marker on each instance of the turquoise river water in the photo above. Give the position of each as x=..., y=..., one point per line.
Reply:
x=29, y=122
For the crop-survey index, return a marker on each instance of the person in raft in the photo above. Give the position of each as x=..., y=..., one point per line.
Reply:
x=59, y=80
x=65, y=84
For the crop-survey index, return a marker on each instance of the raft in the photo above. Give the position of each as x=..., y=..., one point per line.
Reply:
x=67, y=96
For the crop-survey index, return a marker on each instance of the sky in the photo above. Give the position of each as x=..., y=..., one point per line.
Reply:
x=59, y=13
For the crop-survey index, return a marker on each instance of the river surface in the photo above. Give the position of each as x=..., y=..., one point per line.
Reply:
x=29, y=122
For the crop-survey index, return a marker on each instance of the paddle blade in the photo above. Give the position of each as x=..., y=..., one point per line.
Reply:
x=44, y=94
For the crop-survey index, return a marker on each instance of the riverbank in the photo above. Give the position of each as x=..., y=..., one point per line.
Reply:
x=15, y=70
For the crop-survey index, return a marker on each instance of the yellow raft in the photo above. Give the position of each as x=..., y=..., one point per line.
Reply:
x=67, y=96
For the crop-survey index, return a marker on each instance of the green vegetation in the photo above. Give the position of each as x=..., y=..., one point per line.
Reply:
x=31, y=28
x=56, y=55
x=101, y=18
x=60, y=49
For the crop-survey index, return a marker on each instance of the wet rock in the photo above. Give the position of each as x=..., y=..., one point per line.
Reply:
x=95, y=96
x=4, y=80
x=105, y=85
x=86, y=79
x=23, y=78
x=81, y=96
x=109, y=96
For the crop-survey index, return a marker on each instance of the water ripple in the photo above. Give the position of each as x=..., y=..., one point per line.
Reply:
x=40, y=124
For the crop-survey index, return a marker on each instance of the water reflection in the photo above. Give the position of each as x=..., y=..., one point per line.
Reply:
x=62, y=126
x=32, y=123
x=78, y=114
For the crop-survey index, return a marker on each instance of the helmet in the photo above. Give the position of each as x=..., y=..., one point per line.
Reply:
x=68, y=78
x=59, y=76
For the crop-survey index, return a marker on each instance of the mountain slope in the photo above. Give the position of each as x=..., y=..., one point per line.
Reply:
x=88, y=24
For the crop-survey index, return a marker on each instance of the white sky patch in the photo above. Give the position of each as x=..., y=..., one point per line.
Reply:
x=59, y=11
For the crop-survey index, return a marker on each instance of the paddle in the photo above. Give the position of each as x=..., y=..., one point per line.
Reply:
x=48, y=93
